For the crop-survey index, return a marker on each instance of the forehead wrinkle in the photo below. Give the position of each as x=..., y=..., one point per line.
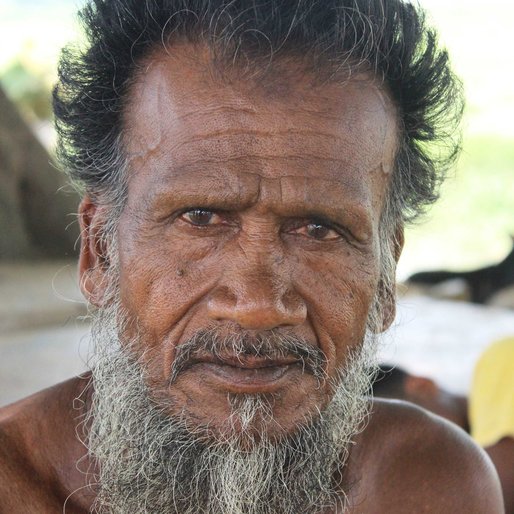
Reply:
x=240, y=110
x=294, y=194
x=331, y=197
x=243, y=175
x=218, y=107
x=240, y=141
x=262, y=133
x=355, y=140
x=234, y=143
x=266, y=123
x=255, y=158
x=235, y=107
x=240, y=169
x=230, y=144
x=218, y=188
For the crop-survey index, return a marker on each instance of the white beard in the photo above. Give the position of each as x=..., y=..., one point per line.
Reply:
x=150, y=463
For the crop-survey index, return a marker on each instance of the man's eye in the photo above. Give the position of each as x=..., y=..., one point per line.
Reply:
x=318, y=231
x=200, y=217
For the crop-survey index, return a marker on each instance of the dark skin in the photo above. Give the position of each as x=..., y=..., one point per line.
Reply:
x=426, y=393
x=405, y=461
x=250, y=209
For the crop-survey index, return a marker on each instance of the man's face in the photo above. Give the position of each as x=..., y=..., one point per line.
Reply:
x=250, y=211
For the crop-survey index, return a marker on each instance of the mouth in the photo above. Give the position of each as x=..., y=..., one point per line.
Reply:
x=246, y=374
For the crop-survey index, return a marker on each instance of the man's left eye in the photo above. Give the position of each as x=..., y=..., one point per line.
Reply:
x=201, y=217
x=318, y=231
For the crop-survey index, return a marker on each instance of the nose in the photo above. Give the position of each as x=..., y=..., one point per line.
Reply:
x=256, y=298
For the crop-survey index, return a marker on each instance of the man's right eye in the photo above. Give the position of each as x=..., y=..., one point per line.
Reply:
x=201, y=217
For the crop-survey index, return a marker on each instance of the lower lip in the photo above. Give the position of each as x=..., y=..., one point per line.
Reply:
x=247, y=380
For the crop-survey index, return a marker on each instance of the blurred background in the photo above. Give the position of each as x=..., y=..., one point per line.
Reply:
x=42, y=337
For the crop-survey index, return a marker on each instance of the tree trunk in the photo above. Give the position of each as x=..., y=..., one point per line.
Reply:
x=36, y=216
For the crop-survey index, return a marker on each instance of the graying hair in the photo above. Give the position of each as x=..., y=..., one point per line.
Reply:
x=388, y=38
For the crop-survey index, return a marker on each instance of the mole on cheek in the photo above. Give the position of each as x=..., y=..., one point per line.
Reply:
x=180, y=272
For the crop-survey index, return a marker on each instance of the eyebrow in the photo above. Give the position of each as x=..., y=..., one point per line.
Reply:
x=330, y=199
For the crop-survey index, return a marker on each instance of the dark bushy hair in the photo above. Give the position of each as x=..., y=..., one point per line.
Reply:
x=388, y=37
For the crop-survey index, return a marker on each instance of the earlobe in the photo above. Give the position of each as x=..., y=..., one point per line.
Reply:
x=93, y=262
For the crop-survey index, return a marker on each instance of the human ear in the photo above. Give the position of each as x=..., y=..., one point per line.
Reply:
x=93, y=261
x=388, y=294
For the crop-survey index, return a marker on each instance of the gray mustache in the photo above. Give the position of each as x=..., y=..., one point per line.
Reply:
x=269, y=345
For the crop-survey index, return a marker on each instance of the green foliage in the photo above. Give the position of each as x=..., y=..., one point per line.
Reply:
x=470, y=225
x=28, y=89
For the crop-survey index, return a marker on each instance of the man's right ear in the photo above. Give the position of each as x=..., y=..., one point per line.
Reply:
x=93, y=261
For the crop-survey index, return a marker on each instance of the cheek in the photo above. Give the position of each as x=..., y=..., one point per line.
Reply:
x=161, y=283
x=339, y=292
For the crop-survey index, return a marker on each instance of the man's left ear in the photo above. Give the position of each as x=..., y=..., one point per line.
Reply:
x=389, y=293
x=93, y=260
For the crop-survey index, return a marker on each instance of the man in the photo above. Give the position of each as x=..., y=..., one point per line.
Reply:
x=488, y=414
x=247, y=168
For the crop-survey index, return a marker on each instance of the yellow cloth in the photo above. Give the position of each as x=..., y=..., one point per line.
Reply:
x=491, y=402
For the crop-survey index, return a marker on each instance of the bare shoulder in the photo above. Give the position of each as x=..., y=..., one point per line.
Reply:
x=413, y=461
x=33, y=438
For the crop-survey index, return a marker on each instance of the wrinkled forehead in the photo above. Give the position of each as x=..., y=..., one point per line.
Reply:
x=187, y=77
x=184, y=111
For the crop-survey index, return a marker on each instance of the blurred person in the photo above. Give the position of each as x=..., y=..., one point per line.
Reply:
x=488, y=413
x=491, y=411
